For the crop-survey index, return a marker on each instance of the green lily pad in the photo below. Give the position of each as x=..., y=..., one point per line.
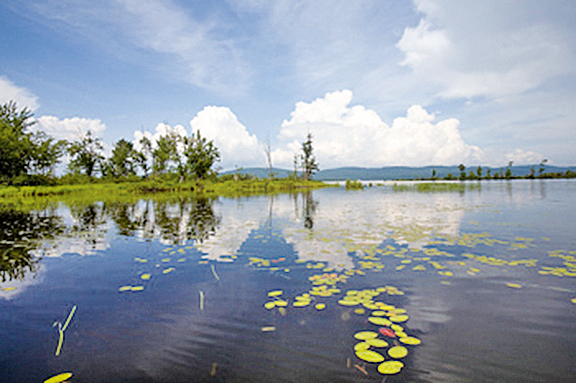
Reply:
x=370, y=356
x=364, y=335
x=361, y=346
x=398, y=352
x=410, y=340
x=399, y=318
x=390, y=367
x=377, y=343
x=59, y=378
x=379, y=321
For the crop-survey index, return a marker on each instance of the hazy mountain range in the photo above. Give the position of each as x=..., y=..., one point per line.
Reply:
x=398, y=172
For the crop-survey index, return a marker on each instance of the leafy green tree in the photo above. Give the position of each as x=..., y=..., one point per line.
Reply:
x=15, y=142
x=508, y=173
x=479, y=171
x=141, y=158
x=46, y=153
x=201, y=155
x=122, y=163
x=488, y=174
x=462, y=169
x=308, y=161
x=85, y=155
x=165, y=152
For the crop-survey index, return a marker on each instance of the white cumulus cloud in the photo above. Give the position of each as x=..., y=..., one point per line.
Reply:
x=345, y=135
x=69, y=128
x=236, y=145
x=468, y=51
x=12, y=92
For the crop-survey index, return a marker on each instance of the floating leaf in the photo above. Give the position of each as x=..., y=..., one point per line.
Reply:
x=145, y=277
x=379, y=313
x=398, y=352
x=300, y=303
x=399, y=318
x=270, y=305
x=377, y=343
x=387, y=332
x=268, y=328
x=275, y=293
x=320, y=306
x=397, y=327
x=514, y=285
x=379, y=321
x=390, y=367
x=359, y=311
x=125, y=288
x=410, y=340
x=370, y=356
x=282, y=311
x=168, y=270
x=59, y=378
x=9, y=288
x=364, y=335
x=137, y=288
x=361, y=346
x=281, y=303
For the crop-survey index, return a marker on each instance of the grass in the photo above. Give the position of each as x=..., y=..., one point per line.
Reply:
x=430, y=187
x=133, y=191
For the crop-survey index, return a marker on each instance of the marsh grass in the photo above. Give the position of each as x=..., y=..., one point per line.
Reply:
x=431, y=187
x=42, y=196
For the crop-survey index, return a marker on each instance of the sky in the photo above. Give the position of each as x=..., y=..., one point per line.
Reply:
x=377, y=83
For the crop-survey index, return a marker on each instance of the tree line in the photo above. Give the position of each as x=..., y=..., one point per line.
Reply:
x=31, y=158
x=480, y=173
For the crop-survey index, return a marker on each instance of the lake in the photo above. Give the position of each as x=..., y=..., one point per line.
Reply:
x=377, y=285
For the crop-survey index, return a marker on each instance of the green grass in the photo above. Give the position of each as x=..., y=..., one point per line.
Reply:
x=430, y=187
x=133, y=191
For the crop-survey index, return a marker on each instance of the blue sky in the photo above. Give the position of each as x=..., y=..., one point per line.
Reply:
x=377, y=83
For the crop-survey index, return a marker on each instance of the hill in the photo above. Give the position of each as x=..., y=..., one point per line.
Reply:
x=396, y=172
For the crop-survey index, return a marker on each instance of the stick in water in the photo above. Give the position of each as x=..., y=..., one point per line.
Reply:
x=214, y=272
x=201, y=300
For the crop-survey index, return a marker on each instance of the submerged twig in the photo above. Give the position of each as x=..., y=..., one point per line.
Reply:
x=61, y=330
x=214, y=272
x=201, y=300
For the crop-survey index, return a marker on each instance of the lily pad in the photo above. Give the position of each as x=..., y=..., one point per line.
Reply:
x=398, y=352
x=270, y=305
x=399, y=318
x=390, y=367
x=145, y=277
x=275, y=293
x=370, y=356
x=364, y=335
x=410, y=340
x=320, y=306
x=59, y=378
x=377, y=343
x=361, y=346
x=379, y=321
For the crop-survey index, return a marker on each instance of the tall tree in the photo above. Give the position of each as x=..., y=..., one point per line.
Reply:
x=86, y=155
x=144, y=155
x=15, y=142
x=309, y=164
x=122, y=163
x=462, y=169
x=201, y=155
x=46, y=153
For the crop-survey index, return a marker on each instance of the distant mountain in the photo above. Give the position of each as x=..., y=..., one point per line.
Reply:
x=397, y=172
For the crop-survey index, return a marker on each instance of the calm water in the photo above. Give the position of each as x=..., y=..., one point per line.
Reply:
x=176, y=291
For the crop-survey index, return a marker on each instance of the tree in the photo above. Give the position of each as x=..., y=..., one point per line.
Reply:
x=122, y=162
x=479, y=172
x=268, y=152
x=462, y=169
x=508, y=173
x=201, y=155
x=308, y=161
x=142, y=157
x=15, y=142
x=46, y=153
x=86, y=155
x=542, y=167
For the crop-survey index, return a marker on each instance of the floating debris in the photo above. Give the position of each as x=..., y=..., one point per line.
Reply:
x=514, y=285
x=201, y=300
x=268, y=328
x=61, y=330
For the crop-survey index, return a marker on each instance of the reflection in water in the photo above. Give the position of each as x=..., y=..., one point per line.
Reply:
x=20, y=234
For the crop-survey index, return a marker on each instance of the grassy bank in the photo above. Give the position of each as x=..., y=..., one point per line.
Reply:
x=430, y=187
x=136, y=190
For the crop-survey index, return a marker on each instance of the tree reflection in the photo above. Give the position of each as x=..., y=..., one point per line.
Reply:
x=20, y=234
x=175, y=221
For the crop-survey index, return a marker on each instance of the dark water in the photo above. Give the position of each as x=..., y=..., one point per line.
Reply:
x=487, y=276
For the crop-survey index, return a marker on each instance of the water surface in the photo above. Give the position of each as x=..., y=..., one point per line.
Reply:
x=176, y=291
